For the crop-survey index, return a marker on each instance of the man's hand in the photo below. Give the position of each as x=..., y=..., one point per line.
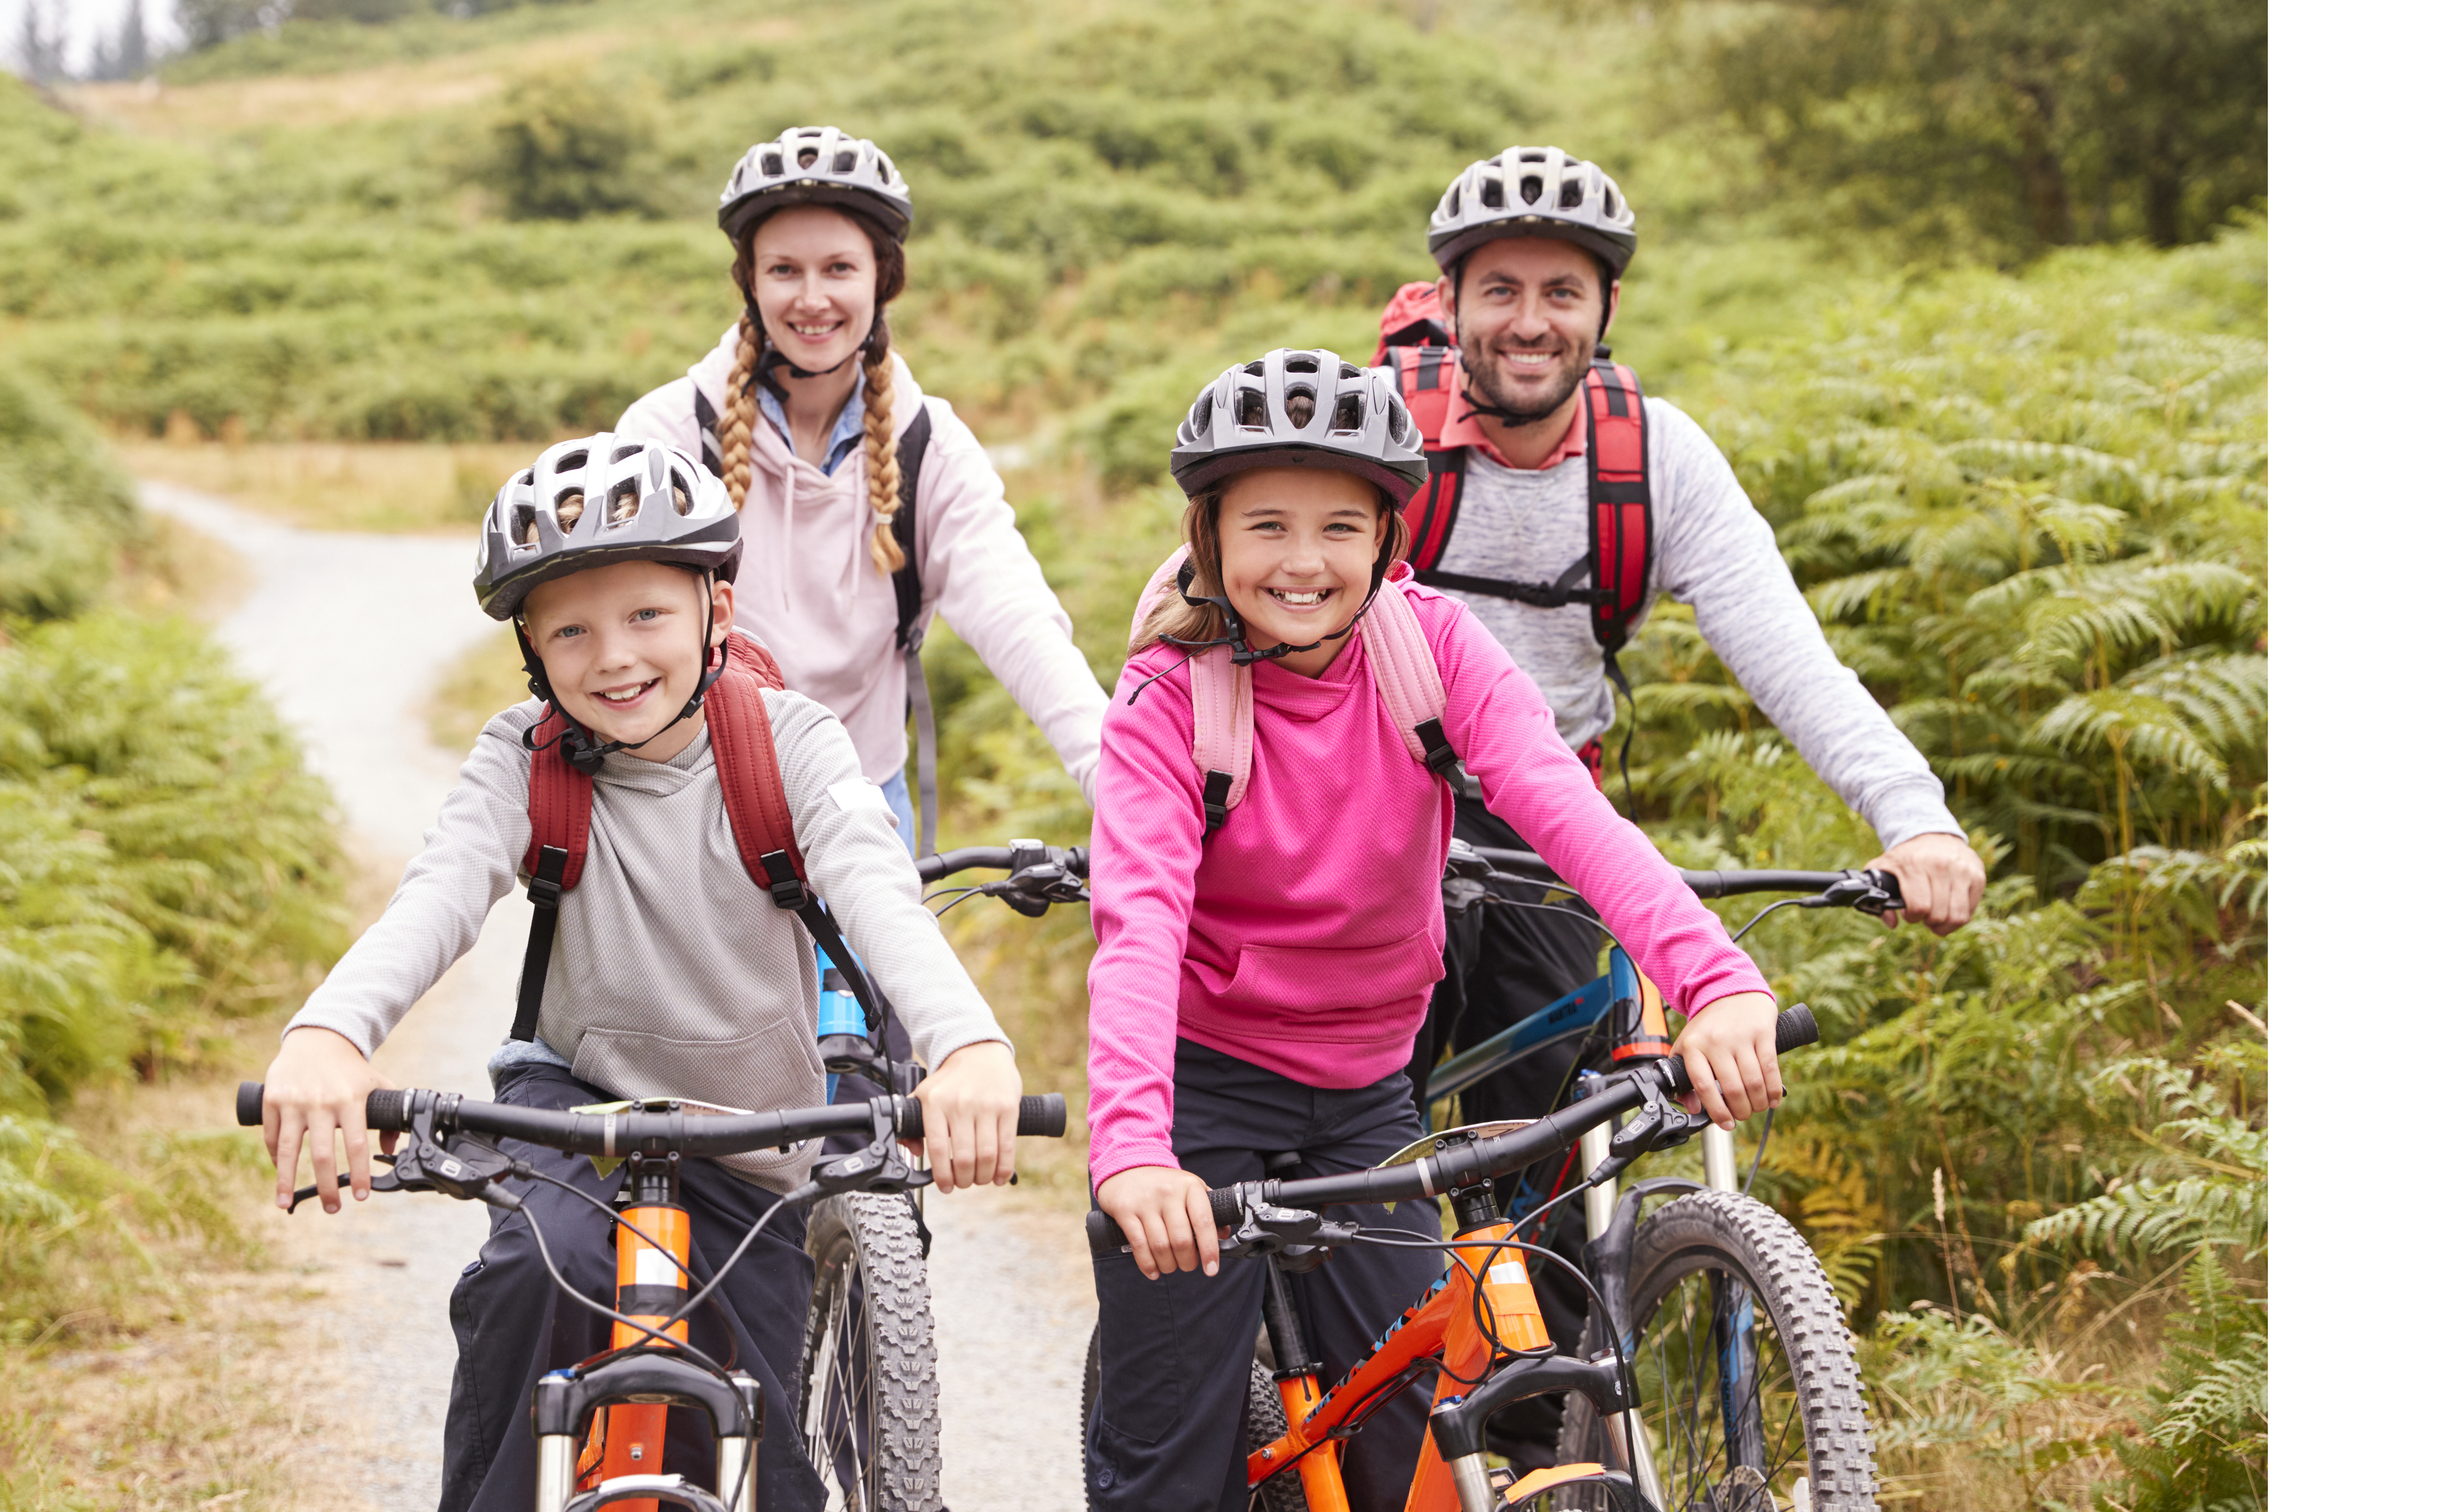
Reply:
x=317, y=1087
x=1941, y=878
x=972, y=1102
x=1164, y=1213
x=1730, y=1050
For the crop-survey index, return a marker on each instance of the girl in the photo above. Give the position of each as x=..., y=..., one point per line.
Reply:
x=866, y=506
x=1257, y=989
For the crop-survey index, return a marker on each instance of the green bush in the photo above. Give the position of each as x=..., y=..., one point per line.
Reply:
x=565, y=145
x=64, y=510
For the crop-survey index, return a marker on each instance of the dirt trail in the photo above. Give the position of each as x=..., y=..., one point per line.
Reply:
x=348, y=633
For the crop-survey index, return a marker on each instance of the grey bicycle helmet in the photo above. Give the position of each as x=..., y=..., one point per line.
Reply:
x=1533, y=191
x=815, y=165
x=608, y=498
x=1352, y=421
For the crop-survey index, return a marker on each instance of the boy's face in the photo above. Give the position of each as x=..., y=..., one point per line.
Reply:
x=621, y=646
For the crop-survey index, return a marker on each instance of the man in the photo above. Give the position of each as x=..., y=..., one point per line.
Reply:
x=1561, y=505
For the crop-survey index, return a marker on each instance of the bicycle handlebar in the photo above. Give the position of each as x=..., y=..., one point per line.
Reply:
x=1042, y=1115
x=1874, y=886
x=1460, y=1165
x=1013, y=856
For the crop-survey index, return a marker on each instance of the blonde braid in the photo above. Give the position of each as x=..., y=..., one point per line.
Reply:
x=740, y=410
x=883, y=465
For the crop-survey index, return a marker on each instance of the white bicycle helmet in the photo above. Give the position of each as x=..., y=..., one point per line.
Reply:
x=608, y=498
x=815, y=165
x=1533, y=191
x=1354, y=422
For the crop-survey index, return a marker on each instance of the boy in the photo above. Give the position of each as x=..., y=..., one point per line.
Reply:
x=671, y=974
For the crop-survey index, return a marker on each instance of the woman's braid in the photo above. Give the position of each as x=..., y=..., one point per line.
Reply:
x=740, y=410
x=883, y=465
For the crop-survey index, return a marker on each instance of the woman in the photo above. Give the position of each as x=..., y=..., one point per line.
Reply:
x=866, y=506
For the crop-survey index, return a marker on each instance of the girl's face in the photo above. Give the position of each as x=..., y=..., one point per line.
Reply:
x=1296, y=545
x=621, y=648
x=815, y=284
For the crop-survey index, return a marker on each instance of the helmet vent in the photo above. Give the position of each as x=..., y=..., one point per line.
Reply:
x=523, y=525
x=1492, y=193
x=571, y=461
x=884, y=168
x=682, y=504
x=1250, y=410
x=1454, y=201
x=623, y=508
x=626, y=451
x=1302, y=363
x=567, y=509
x=526, y=479
x=1350, y=370
x=1202, y=414
x=771, y=164
x=843, y=161
x=1533, y=154
x=1255, y=369
x=1348, y=412
x=1570, y=194
x=1300, y=405
x=808, y=157
x=1531, y=188
x=1607, y=204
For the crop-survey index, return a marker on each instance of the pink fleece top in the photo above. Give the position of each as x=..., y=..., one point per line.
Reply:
x=1305, y=935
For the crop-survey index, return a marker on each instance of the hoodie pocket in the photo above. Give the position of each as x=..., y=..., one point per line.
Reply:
x=1339, y=976
x=769, y=1068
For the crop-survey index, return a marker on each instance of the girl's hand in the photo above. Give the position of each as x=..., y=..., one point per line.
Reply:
x=1164, y=1213
x=972, y=1102
x=1730, y=1050
x=315, y=1087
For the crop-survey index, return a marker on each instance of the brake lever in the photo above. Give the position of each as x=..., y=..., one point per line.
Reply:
x=1297, y=1237
x=880, y=1167
x=1866, y=892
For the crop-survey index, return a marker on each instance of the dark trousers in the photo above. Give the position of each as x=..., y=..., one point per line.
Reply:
x=514, y=1324
x=1503, y=965
x=1170, y=1430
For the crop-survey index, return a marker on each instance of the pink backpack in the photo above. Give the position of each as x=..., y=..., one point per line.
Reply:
x=1405, y=670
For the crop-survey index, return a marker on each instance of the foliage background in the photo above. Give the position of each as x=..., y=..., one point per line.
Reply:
x=1973, y=295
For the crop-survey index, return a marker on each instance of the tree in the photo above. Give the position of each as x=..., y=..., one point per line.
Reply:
x=2024, y=124
x=41, y=50
x=133, y=55
x=210, y=23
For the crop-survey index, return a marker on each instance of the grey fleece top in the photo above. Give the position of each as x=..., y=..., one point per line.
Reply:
x=672, y=974
x=1709, y=549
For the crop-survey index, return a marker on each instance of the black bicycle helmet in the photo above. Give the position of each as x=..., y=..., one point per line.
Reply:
x=815, y=165
x=1533, y=191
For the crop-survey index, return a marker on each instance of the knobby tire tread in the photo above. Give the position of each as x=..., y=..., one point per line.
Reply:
x=882, y=1234
x=1779, y=1266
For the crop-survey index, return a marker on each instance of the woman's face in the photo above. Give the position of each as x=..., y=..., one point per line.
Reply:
x=1297, y=546
x=815, y=284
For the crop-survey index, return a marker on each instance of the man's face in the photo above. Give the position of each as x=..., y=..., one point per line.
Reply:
x=1527, y=314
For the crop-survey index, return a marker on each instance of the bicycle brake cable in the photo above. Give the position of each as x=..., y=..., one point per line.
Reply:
x=1769, y=1121
x=1783, y=903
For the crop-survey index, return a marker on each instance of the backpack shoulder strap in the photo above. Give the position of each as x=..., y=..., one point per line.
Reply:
x=561, y=801
x=1406, y=672
x=1619, y=450
x=753, y=801
x=1425, y=377
x=1220, y=707
x=710, y=431
x=910, y=451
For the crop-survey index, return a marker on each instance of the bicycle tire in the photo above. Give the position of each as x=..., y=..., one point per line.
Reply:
x=1279, y=1493
x=868, y=1361
x=1691, y=1265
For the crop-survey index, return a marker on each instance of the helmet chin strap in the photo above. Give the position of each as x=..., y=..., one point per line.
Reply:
x=773, y=358
x=587, y=753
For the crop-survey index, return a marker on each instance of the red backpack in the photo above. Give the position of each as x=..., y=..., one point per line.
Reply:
x=1612, y=577
x=561, y=798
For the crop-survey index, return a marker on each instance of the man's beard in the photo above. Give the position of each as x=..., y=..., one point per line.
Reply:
x=1494, y=387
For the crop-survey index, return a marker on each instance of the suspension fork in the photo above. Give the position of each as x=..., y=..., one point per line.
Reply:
x=628, y=1439
x=1733, y=1318
x=1322, y=1469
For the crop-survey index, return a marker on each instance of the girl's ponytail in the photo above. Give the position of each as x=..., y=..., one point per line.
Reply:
x=739, y=423
x=883, y=463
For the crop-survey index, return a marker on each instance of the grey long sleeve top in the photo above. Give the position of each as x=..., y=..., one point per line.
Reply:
x=1713, y=551
x=672, y=974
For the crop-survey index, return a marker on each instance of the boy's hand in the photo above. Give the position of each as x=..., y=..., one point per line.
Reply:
x=317, y=1085
x=973, y=1107
x=1165, y=1214
x=1730, y=1050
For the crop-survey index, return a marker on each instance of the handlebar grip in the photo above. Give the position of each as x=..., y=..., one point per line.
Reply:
x=251, y=1104
x=1224, y=1204
x=1797, y=1028
x=387, y=1110
x=1043, y=1114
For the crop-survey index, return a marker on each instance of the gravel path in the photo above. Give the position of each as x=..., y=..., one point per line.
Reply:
x=347, y=633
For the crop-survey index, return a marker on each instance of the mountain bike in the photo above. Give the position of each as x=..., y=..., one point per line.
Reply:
x=1715, y=1328
x=599, y=1425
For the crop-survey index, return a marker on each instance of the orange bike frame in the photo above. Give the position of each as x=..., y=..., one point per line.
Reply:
x=629, y=1439
x=1441, y=1326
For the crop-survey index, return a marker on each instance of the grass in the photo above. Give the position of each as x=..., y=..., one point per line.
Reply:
x=391, y=487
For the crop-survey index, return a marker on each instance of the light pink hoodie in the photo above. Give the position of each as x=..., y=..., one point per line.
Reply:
x=808, y=589
x=1305, y=936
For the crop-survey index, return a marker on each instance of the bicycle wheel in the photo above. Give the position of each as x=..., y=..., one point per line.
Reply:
x=1280, y=1493
x=867, y=1364
x=1744, y=1364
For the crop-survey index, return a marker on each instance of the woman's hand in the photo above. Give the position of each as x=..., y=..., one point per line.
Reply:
x=1730, y=1050
x=317, y=1085
x=1941, y=878
x=972, y=1102
x=1165, y=1214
